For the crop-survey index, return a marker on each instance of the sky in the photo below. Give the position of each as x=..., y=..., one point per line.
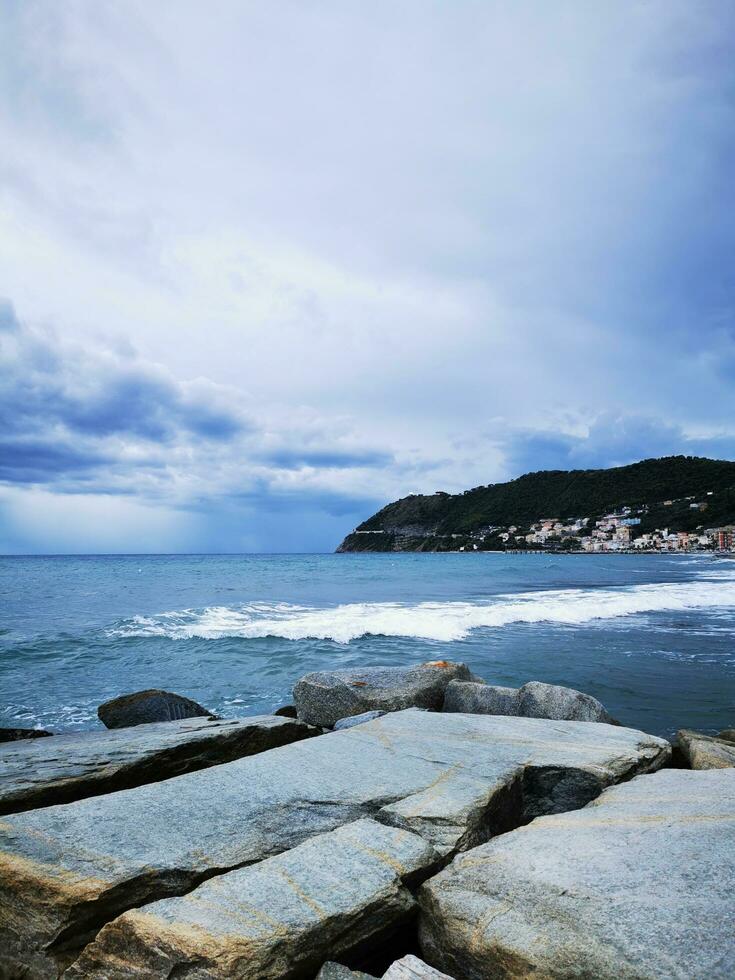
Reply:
x=265, y=267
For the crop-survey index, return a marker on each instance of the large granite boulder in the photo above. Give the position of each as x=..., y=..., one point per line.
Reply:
x=323, y=698
x=538, y=700
x=533, y=700
x=705, y=751
x=16, y=734
x=332, y=895
x=728, y=734
x=453, y=779
x=145, y=707
x=70, y=767
x=635, y=886
x=481, y=699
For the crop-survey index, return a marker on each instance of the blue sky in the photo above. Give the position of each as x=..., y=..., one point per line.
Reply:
x=264, y=267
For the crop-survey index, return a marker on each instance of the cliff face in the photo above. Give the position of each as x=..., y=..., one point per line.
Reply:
x=389, y=541
x=440, y=521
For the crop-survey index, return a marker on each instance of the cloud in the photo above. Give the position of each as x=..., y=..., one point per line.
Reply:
x=293, y=459
x=47, y=382
x=68, y=411
x=39, y=521
x=32, y=461
x=609, y=440
x=8, y=319
x=102, y=421
x=336, y=253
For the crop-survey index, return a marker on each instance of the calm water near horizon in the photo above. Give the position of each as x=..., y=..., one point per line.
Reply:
x=651, y=636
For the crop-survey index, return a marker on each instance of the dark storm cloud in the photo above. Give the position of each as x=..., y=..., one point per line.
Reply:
x=36, y=461
x=265, y=499
x=85, y=421
x=67, y=410
x=134, y=401
x=294, y=459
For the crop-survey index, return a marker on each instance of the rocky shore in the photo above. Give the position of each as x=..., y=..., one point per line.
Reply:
x=406, y=823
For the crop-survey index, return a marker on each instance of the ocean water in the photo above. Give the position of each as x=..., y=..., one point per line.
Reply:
x=652, y=636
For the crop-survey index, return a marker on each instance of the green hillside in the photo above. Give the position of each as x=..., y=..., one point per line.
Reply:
x=561, y=494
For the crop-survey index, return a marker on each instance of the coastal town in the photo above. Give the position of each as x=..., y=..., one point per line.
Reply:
x=674, y=504
x=619, y=531
x=664, y=526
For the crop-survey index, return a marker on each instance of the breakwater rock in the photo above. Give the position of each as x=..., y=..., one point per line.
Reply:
x=276, y=919
x=491, y=844
x=17, y=734
x=145, y=707
x=451, y=780
x=533, y=700
x=70, y=767
x=407, y=968
x=324, y=697
x=638, y=884
x=706, y=751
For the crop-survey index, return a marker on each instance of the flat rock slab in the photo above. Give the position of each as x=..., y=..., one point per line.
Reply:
x=534, y=700
x=327, y=696
x=639, y=884
x=705, y=751
x=454, y=779
x=275, y=920
x=70, y=767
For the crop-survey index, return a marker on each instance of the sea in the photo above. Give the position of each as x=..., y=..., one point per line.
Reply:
x=651, y=636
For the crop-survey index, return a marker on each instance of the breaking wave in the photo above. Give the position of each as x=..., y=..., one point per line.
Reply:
x=443, y=621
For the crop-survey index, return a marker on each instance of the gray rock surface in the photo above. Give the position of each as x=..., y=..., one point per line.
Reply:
x=635, y=886
x=145, y=707
x=286, y=711
x=275, y=920
x=481, y=699
x=336, y=971
x=70, y=767
x=704, y=751
x=538, y=700
x=16, y=734
x=454, y=779
x=412, y=968
x=533, y=700
x=728, y=734
x=357, y=720
x=325, y=697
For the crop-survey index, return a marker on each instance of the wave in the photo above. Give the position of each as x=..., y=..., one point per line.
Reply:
x=443, y=621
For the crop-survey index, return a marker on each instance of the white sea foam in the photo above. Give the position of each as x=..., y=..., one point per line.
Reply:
x=432, y=620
